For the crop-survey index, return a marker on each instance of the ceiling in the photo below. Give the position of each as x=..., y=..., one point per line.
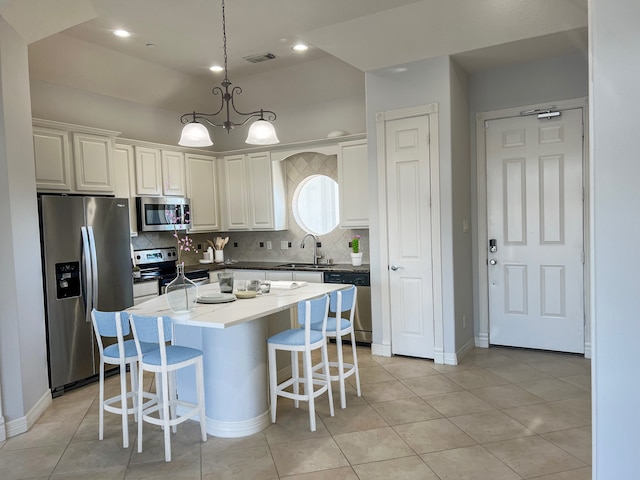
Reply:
x=180, y=39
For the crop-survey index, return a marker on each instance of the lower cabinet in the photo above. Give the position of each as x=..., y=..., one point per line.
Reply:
x=296, y=276
x=144, y=291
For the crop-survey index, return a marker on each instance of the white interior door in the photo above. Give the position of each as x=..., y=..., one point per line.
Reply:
x=409, y=236
x=535, y=217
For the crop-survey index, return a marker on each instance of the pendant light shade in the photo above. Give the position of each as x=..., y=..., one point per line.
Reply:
x=195, y=134
x=262, y=132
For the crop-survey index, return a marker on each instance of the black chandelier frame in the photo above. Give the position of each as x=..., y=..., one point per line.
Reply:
x=227, y=98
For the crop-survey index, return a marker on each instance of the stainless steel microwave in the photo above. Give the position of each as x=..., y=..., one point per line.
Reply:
x=159, y=214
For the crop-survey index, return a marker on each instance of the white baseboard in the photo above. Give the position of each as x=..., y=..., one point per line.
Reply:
x=381, y=350
x=448, y=358
x=3, y=431
x=23, y=424
x=438, y=356
x=466, y=348
x=587, y=349
x=482, y=340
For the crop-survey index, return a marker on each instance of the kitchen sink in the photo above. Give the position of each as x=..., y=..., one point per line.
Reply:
x=301, y=265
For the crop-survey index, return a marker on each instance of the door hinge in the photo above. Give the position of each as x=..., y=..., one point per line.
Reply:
x=486, y=124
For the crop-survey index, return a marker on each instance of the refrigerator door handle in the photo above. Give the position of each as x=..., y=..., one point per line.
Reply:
x=88, y=281
x=94, y=265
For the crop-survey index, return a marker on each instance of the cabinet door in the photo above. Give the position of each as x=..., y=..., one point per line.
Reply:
x=353, y=184
x=93, y=163
x=148, y=171
x=260, y=191
x=52, y=159
x=123, y=180
x=173, y=173
x=311, y=277
x=202, y=190
x=248, y=274
x=279, y=275
x=235, y=186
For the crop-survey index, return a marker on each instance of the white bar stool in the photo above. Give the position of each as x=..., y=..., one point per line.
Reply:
x=122, y=353
x=337, y=326
x=305, y=340
x=165, y=360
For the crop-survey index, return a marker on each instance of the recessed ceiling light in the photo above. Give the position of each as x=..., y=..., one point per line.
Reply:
x=216, y=68
x=300, y=47
x=121, y=33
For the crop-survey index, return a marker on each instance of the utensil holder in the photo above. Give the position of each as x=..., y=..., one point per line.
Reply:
x=218, y=256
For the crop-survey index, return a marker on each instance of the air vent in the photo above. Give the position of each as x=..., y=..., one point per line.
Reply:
x=263, y=57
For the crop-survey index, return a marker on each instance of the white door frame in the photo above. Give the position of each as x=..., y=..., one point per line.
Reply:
x=436, y=253
x=482, y=335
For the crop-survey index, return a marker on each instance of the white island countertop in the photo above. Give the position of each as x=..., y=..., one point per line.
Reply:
x=225, y=315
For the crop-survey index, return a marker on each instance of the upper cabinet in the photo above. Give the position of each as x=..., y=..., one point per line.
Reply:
x=159, y=171
x=148, y=171
x=255, y=193
x=353, y=182
x=173, y=173
x=53, y=159
x=93, y=162
x=202, y=190
x=124, y=180
x=72, y=158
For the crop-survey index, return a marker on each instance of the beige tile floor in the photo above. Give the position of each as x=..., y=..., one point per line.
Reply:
x=501, y=414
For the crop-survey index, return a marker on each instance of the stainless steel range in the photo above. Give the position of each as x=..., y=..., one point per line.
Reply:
x=160, y=263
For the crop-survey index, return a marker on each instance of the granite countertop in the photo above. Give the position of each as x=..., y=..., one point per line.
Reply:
x=280, y=266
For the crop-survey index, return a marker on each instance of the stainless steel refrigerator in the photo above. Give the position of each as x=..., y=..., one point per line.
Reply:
x=87, y=264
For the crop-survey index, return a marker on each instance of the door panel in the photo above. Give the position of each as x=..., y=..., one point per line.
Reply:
x=409, y=214
x=535, y=214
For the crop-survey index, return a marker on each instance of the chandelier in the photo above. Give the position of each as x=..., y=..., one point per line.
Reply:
x=195, y=134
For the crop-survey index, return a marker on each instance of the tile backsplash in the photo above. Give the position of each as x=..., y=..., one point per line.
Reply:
x=246, y=246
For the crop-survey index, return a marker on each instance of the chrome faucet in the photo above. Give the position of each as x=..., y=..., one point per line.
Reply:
x=316, y=257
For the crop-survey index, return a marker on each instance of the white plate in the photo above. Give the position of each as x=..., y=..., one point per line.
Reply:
x=217, y=298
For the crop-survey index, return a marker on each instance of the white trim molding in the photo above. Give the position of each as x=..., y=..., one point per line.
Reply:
x=482, y=335
x=23, y=424
x=380, y=350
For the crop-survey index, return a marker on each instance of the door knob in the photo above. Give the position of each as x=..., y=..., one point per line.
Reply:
x=395, y=267
x=493, y=261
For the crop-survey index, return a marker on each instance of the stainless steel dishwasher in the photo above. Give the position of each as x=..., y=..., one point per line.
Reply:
x=362, y=316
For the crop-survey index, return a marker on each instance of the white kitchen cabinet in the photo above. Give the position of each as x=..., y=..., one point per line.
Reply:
x=353, y=184
x=277, y=275
x=73, y=158
x=93, y=162
x=310, y=277
x=124, y=180
x=148, y=171
x=241, y=274
x=236, y=197
x=202, y=190
x=267, y=192
x=143, y=291
x=254, y=193
x=173, y=173
x=296, y=276
x=52, y=159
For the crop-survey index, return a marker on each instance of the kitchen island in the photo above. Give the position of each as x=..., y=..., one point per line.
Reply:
x=233, y=338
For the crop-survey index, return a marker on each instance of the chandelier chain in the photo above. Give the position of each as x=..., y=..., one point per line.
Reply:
x=224, y=41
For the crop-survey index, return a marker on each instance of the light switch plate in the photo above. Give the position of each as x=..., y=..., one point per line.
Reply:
x=284, y=245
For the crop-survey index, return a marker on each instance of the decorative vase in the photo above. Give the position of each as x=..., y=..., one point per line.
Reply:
x=356, y=259
x=182, y=293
